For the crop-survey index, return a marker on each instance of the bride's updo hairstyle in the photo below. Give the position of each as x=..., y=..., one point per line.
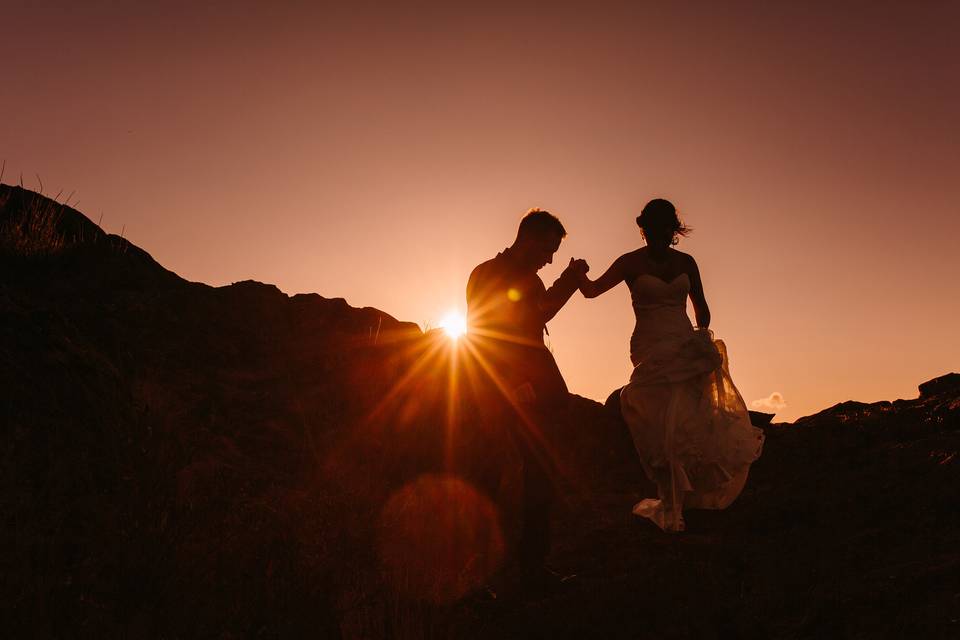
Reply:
x=659, y=218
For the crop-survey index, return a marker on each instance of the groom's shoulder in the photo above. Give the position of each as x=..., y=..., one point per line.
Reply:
x=483, y=268
x=486, y=264
x=490, y=267
x=481, y=274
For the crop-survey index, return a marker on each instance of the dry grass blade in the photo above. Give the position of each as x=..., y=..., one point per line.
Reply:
x=32, y=231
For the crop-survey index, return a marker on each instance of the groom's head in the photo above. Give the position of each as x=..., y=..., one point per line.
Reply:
x=538, y=238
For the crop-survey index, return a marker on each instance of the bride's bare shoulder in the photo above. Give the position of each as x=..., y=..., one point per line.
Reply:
x=685, y=258
x=632, y=261
x=689, y=267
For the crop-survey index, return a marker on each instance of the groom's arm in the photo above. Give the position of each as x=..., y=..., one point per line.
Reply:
x=559, y=292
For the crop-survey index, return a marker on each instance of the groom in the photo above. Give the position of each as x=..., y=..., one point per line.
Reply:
x=508, y=307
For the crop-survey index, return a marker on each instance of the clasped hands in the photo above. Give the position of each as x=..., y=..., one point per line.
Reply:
x=578, y=267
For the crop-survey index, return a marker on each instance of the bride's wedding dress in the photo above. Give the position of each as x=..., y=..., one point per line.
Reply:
x=689, y=424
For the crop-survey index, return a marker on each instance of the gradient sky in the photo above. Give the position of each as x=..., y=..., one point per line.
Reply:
x=379, y=152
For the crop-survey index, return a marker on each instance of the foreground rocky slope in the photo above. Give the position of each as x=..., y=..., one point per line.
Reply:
x=178, y=460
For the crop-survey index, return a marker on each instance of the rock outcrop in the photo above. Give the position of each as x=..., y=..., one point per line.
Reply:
x=184, y=460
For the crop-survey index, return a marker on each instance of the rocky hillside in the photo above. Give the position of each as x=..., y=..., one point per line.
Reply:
x=179, y=460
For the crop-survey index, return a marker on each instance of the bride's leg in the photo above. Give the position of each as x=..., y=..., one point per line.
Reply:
x=674, y=482
x=651, y=413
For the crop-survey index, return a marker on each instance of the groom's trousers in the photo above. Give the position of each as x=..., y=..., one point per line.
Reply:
x=520, y=404
x=539, y=410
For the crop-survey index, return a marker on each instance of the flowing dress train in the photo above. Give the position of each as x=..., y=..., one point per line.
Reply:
x=689, y=423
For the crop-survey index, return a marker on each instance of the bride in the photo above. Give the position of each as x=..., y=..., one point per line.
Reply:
x=688, y=422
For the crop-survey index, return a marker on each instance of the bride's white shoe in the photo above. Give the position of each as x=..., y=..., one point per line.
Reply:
x=653, y=510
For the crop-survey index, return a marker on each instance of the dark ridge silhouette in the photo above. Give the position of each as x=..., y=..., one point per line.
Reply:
x=180, y=460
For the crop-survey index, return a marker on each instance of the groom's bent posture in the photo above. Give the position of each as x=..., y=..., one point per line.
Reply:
x=507, y=311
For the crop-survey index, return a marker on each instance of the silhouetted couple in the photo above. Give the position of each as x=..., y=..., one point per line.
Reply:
x=689, y=424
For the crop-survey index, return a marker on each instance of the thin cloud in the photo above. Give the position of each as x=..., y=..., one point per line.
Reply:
x=771, y=404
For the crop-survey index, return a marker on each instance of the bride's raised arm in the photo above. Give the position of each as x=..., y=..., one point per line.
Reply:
x=610, y=278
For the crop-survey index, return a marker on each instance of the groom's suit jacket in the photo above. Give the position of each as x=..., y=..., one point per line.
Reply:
x=506, y=320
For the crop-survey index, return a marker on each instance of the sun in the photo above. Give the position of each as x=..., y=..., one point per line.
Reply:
x=454, y=324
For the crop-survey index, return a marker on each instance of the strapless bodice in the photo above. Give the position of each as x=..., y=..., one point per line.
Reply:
x=650, y=292
x=661, y=312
